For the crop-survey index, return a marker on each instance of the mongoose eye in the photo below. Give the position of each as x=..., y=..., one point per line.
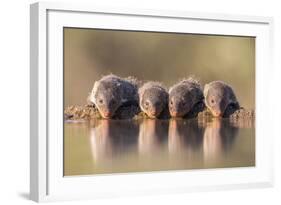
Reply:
x=171, y=102
x=146, y=103
x=212, y=101
x=100, y=101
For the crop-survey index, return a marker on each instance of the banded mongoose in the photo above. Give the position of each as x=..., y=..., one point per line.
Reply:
x=186, y=97
x=111, y=92
x=220, y=99
x=153, y=99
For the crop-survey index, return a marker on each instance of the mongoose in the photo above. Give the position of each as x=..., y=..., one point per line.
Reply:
x=111, y=92
x=153, y=99
x=185, y=97
x=220, y=99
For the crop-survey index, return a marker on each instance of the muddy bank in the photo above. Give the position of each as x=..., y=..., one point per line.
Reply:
x=241, y=117
x=91, y=112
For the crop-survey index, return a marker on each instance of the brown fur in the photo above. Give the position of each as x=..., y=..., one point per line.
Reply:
x=220, y=99
x=184, y=97
x=153, y=99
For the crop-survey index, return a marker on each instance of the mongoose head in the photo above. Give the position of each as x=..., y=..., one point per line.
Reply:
x=180, y=101
x=218, y=96
x=107, y=98
x=153, y=101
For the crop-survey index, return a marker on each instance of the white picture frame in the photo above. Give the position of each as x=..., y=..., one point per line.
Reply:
x=47, y=182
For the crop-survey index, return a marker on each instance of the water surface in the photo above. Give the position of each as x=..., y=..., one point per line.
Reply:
x=118, y=146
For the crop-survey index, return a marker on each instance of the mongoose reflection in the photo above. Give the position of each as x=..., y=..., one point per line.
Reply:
x=220, y=99
x=111, y=92
x=153, y=99
x=219, y=138
x=111, y=139
x=185, y=135
x=152, y=137
x=184, y=97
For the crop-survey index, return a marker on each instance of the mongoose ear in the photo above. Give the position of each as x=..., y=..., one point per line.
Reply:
x=91, y=97
x=96, y=84
x=170, y=90
x=205, y=91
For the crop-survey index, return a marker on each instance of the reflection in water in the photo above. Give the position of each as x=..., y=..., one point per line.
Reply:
x=112, y=138
x=152, y=136
x=184, y=135
x=218, y=139
x=185, y=142
x=150, y=145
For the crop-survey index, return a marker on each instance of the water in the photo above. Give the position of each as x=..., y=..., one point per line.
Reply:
x=119, y=146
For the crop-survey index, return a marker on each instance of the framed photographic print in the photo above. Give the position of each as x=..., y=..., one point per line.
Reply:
x=129, y=101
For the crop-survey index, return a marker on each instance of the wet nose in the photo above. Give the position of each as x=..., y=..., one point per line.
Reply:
x=174, y=114
x=107, y=114
x=217, y=113
x=153, y=112
x=173, y=111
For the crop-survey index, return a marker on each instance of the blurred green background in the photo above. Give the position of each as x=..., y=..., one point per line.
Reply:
x=166, y=57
